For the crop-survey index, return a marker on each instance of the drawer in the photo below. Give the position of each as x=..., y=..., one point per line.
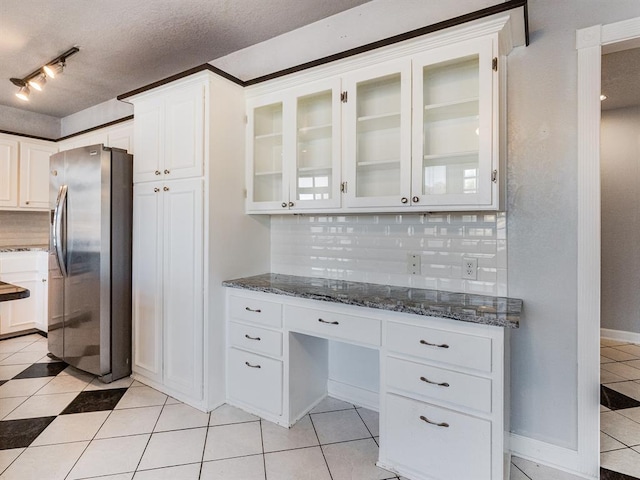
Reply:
x=425, y=381
x=19, y=262
x=333, y=325
x=256, y=339
x=257, y=311
x=255, y=380
x=459, y=349
x=453, y=446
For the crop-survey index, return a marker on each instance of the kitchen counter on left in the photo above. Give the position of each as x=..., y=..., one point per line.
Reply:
x=31, y=248
x=12, y=292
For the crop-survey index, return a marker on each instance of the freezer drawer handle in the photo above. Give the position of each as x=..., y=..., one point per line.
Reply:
x=252, y=338
x=425, y=419
x=252, y=366
x=442, y=345
x=257, y=310
x=443, y=384
x=328, y=323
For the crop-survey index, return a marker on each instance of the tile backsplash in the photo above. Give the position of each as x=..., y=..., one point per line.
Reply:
x=24, y=229
x=374, y=248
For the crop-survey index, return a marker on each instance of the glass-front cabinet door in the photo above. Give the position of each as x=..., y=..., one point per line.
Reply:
x=267, y=187
x=315, y=182
x=452, y=125
x=377, y=154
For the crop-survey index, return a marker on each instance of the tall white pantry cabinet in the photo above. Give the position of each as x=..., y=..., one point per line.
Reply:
x=190, y=233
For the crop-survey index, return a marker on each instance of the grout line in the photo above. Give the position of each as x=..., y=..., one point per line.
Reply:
x=151, y=434
x=264, y=458
x=320, y=446
x=365, y=425
x=204, y=445
x=513, y=465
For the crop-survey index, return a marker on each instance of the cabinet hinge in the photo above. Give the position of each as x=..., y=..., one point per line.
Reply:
x=343, y=187
x=494, y=176
x=343, y=97
x=494, y=64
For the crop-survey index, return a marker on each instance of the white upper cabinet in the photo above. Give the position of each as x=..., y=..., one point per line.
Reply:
x=8, y=172
x=24, y=173
x=377, y=136
x=168, y=134
x=453, y=131
x=34, y=174
x=294, y=149
x=421, y=128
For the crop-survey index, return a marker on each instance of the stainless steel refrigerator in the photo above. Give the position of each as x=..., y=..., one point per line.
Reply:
x=91, y=194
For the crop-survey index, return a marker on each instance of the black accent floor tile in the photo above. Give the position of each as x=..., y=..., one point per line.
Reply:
x=20, y=433
x=95, y=401
x=2, y=382
x=611, y=475
x=37, y=370
x=616, y=400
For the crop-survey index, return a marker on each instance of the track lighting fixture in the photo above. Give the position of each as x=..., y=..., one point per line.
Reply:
x=38, y=78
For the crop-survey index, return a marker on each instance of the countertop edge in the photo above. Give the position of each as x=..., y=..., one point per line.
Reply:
x=401, y=308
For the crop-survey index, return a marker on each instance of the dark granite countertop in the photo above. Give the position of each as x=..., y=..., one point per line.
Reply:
x=31, y=248
x=12, y=292
x=486, y=310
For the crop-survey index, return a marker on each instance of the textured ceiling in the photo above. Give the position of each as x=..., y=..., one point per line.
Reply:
x=621, y=79
x=126, y=44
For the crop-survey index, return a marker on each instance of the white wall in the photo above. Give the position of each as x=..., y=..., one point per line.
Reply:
x=620, y=189
x=29, y=123
x=94, y=116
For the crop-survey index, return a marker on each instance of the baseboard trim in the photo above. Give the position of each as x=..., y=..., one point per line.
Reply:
x=352, y=394
x=620, y=335
x=560, y=458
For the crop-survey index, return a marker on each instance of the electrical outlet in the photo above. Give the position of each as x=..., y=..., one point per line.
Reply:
x=469, y=268
x=414, y=264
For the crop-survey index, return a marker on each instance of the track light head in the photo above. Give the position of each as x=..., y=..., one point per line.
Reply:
x=38, y=82
x=54, y=69
x=23, y=93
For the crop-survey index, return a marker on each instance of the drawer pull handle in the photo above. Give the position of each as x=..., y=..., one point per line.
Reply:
x=258, y=338
x=443, y=384
x=257, y=310
x=425, y=419
x=252, y=366
x=328, y=323
x=442, y=345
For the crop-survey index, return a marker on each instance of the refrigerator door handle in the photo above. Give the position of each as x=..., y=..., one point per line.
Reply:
x=57, y=229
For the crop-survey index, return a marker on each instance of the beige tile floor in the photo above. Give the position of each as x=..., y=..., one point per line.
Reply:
x=150, y=436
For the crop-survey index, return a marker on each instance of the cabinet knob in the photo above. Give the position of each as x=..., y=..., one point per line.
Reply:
x=44, y=280
x=167, y=172
x=284, y=204
x=404, y=200
x=157, y=172
x=415, y=199
x=166, y=189
x=156, y=189
x=291, y=204
x=27, y=202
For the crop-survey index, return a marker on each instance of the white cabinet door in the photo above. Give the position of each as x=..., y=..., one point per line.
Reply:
x=453, y=128
x=8, y=173
x=377, y=136
x=267, y=182
x=184, y=132
x=183, y=296
x=169, y=135
x=314, y=159
x=22, y=314
x=147, y=135
x=121, y=136
x=34, y=174
x=147, y=280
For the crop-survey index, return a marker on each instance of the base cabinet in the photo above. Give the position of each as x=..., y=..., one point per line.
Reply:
x=28, y=270
x=443, y=413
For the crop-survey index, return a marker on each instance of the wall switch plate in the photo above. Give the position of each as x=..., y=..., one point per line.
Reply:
x=469, y=268
x=414, y=264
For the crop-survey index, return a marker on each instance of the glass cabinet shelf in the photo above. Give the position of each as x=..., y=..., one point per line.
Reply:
x=269, y=136
x=372, y=123
x=453, y=155
x=263, y=174
x=314, y=132
x=381, y=164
